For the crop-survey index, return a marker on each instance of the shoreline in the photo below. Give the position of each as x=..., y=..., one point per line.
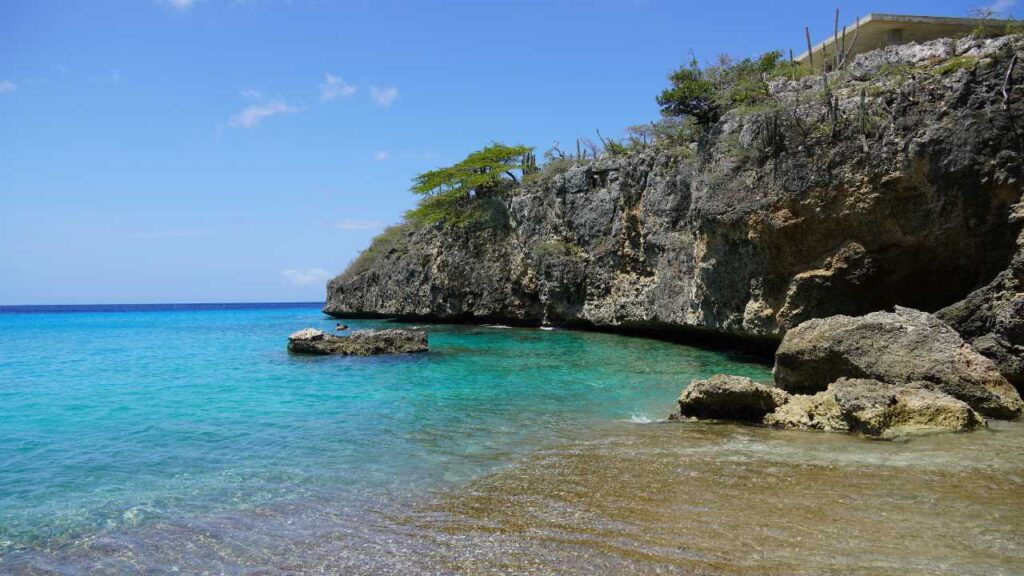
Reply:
x=762, y=348
x=814, y=503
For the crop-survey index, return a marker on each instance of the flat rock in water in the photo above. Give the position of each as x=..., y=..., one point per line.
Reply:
x=359, y=343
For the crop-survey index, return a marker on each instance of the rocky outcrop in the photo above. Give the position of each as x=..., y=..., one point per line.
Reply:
x=876, y=409
x=896, y=348
x=896, y=192
x=863, y=406
x=730, y=398
x=992, y=318
x=359, y=343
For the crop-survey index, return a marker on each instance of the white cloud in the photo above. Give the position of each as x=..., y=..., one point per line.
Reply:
x=384, y=96
x=7, y=86
x=250, y=116
x=180, y=4
x=305, y=277
x=250, y=94
x=359, y=224
x=333, y=87
x=382, y=155
x=1001, y=6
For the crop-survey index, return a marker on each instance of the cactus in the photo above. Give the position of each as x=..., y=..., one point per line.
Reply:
x=529, y=163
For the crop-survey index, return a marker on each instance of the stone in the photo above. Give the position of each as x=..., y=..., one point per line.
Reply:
x=359, y=343
x=874, y=408
x=809, y=412
x=730, y=398
x=992, y=317
x=896, y=348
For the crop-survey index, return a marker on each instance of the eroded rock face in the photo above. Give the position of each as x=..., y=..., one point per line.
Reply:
x=992, y=317
x=774, y=223
x=809, y=412
x=896, y=348
x=730, y=398
x=359, y=343
x=876, y=409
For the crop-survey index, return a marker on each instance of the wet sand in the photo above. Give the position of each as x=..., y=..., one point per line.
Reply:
x=661, y=498
x=720, y=499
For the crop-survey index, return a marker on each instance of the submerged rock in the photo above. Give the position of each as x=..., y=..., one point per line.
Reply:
x=876, y=409
x=896, y=348
x=359, y=343
x=730, y=398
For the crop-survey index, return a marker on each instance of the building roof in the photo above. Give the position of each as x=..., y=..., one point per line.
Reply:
x=878, y=30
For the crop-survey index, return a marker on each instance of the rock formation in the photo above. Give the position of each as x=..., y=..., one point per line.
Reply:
x=730, y=398
x=863, y=406
x=876, y=409
x=992, y=317
x=881, y=374
x=897, y=348
x=896, y=189
x=359, y=343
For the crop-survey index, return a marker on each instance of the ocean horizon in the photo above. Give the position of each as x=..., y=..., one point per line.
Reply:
x=149, y=307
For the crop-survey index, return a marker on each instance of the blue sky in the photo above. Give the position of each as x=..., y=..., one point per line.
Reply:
x=244, y=150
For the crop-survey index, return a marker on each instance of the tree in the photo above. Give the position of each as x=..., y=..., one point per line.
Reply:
x=449, y=193
x=704, y=94
x=691, y=94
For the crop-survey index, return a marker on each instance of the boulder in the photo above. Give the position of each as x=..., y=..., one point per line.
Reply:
x=809, y=412
x=896, y=348
x=730, y=398
x=359, y=343
x=992, y=317
x=876, y=409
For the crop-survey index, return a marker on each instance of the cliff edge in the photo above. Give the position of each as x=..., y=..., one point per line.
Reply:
x=894, y=181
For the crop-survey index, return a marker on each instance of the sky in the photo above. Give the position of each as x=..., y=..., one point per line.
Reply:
x=247, y=150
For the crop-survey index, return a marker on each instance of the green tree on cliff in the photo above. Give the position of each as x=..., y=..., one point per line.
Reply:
x=692, y=93
x=451, y=193
x=704, y=94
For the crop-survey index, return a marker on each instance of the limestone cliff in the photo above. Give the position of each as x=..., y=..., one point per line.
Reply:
x=893, y=184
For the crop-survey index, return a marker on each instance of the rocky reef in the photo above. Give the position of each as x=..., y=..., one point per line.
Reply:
x=359, y=343
x=894, y=182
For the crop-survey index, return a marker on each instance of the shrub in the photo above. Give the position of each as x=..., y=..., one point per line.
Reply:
x=387, y=242
x=954, y=64
x=704, y=94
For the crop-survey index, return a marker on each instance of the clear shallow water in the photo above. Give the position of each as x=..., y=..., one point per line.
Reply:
x=141, y=439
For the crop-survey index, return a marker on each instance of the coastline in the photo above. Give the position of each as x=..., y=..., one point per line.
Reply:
x=756, y=346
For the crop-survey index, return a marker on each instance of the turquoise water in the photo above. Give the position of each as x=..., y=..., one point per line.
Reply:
x=117, y=423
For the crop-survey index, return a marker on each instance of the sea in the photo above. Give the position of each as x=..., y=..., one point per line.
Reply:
x=186, y=439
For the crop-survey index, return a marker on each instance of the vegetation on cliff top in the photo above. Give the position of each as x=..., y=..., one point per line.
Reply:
x=806, y=116
x=451, y=194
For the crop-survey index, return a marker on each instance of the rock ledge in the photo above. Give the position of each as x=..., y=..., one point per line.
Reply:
x=359, y=343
